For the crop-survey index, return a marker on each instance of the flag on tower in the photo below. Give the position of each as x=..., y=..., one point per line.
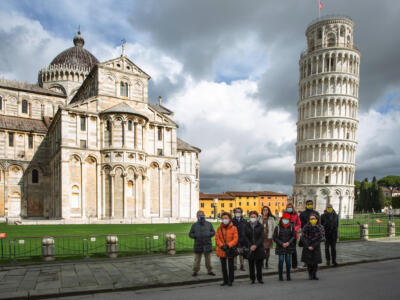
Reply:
x=320, y=5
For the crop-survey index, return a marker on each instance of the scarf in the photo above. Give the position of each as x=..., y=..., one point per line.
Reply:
x=313, y=233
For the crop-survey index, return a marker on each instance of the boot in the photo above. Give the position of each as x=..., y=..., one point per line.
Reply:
x=310, y=272
x=266, y=264
x=288, y=278
x=280, y=276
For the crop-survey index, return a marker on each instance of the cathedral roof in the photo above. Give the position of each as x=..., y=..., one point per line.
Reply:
x=122, y=108
x=27, y=87
x=182, y=145
x=76, y=56
x=22, y=124
x=161, y=109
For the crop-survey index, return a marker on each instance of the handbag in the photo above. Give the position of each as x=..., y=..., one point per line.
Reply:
x=230, y=252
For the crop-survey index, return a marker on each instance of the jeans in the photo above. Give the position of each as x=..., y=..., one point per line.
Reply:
x=227, y=276
x=197, y=261
x=255, y=264
x=284, y=258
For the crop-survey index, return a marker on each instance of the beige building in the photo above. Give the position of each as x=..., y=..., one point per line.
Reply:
x=85, y=145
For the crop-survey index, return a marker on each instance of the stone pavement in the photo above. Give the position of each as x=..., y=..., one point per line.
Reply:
x=92, y=276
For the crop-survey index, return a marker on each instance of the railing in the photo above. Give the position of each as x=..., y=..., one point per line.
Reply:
x=94, y=246
x=327, y=17
x=329, y=46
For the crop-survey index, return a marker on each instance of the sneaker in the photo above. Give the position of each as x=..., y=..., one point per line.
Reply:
x=224, y=283
x=211, y=273
x=261, y=282
x=194, y=274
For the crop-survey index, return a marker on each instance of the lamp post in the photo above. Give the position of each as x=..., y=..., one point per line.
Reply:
x=215, y=207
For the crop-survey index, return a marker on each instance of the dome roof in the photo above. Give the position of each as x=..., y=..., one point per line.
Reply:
x=76, y=56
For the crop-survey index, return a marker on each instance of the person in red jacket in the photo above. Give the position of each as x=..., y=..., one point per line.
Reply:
x=226, y=239
x=295, y=219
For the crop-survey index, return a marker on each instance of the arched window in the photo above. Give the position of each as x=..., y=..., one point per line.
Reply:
x=342, y=31
x=123, y=89
x=123, y=132
x=331, y=40
x=35, y=176
x=75, y=199
x=24, y=107
x=109, y=129
x=130, y=125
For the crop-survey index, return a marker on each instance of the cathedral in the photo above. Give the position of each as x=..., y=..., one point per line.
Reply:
x=84, y=145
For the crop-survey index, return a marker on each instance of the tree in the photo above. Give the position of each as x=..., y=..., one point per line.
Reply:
x=365, y=196
x=396, y=202
x=377, y=196
x=357, y=195
x=391, y=182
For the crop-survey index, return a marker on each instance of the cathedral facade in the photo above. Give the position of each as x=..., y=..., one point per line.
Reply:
x=84, y=145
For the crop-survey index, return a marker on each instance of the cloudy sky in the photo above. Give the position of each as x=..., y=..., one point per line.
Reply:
x=229, y=70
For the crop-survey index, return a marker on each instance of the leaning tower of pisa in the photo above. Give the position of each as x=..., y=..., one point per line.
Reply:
x=327, y=116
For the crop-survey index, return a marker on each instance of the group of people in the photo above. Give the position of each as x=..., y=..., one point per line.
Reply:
x=239, y=239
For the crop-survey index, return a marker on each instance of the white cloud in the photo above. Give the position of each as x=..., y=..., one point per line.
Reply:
x=235, y=131
x=26, y=47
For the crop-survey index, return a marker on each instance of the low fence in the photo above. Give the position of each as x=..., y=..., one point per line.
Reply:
x=64, y=247
x=92, y=246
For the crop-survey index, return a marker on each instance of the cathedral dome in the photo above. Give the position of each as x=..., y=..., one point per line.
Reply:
x=76, y=56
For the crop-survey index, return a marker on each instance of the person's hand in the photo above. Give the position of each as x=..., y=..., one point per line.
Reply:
x=285, y=245
x=225, y=247
x=253, y=247
x=310, y=248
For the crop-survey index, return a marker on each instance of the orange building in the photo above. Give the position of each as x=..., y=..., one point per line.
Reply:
x=275, y=201
x=213, y=204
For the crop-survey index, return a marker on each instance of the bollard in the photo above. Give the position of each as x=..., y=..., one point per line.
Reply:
x=170, y=243
x=48, y=251
x=391, y=229
x=112, y=246
x=364, y=232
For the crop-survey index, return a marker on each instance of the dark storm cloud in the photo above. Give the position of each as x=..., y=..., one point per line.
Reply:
x=196, y=32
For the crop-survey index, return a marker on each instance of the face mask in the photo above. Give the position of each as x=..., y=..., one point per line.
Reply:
x=226, y=221
x=238, y=215
x=309, y=206
x=201, y=218
x=329, y=209
x=289, y=210
x=253, y=220
x=313, y=222
x=285, y=221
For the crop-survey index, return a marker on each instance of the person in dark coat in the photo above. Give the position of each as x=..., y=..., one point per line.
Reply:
x=285, y=239
x=254, y=237
x=330, y=221
x=312, y=236
x=240, y=224
x=202, y=232
x=305, y=215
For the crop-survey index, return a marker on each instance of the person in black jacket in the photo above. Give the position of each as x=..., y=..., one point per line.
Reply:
x=312, y=236
x=330, y=221
x=202, y=232
x=240, y=224
x=285, y=239
x=254, y=237
x=305, y=215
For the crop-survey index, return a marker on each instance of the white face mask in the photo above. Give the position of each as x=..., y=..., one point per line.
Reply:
x=253, y=220
x=238, y=215
x=226, y=221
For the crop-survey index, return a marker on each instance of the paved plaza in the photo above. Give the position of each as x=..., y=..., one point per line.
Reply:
x=141, y=272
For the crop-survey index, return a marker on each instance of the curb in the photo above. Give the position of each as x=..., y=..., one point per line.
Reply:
x=176, y=284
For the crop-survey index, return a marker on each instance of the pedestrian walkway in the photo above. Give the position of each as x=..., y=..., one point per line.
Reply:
x=80, y=277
